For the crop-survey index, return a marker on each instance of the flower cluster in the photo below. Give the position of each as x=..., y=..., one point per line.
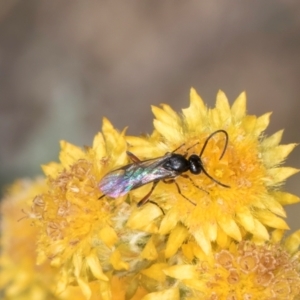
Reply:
x=116, y=221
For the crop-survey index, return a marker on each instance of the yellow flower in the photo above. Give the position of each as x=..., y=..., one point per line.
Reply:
x=251, y=204
x=20, y=277
x=244, y=271
x=217, y=228
x=78, y=232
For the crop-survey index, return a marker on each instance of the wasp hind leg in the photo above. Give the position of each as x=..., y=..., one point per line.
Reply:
x=146, y=198
x=132, y=157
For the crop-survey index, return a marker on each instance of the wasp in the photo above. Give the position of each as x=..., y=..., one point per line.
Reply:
x=140, y=172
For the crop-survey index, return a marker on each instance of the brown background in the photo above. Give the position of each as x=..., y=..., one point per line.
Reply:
x=66, y=64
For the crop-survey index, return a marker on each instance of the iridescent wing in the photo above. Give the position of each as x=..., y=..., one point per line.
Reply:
x=120, y=181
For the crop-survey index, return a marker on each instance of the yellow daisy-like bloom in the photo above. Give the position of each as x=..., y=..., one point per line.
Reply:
x=214, y=233
x=243, y=271
x=78, y=232
x=20, y=277
x=203, y=207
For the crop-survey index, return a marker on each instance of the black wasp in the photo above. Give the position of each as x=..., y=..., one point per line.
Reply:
x=140, y=172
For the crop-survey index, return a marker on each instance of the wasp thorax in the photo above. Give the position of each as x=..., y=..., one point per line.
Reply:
x=177, y=163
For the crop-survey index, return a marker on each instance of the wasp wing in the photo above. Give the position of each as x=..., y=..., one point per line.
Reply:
x=120, y=181
x=115, y=183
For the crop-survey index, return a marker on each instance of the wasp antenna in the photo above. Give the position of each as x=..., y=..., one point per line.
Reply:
x=207, y=140
x=213, y=179
x=178, y=148
x=192, y=146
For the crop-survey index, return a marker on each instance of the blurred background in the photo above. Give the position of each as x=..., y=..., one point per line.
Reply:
x=65, y=64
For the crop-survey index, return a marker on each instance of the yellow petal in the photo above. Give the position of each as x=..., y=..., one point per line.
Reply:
x=132, y=288
x=151, y=151
x=108, y=236
x=173, y=133
x=115, y=142
x=196, y=284
x=277, y=235
x=116, y=261
x=269, y=219
x=260, y=231
x=150, y=228
x=272, y=140
x=169, y=294
x=62, y=281
x=215, y=118
x=222, y=238
x=249, y=123
x=52, y=169
x=280, y=174
x=167, y=108
x=156, y=272
x=109, y=132
x=169, y=222
x=238, y=109
x=196, y=103
x=93, y=262
x=211, y=231
x=223, y=108
x=245, y=218
x=99, y=146
x=276, y=155
x=285, y=198
x=143, y=216
x=85, y=288
x=105, y=290
x=196, y=112
x=198, y=252
x=292, y=242
x=168, y=116
x=176, y=238
x=202, y=240
x=274, y=206
x=137, y=141
x=187, y=250
x=182, y=271
x=149, y=252
x=77, y=263
x=230, y=227
x=261, y=124
x=69, y=154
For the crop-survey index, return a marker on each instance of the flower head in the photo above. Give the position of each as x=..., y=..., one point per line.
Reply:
x=237, y=194
x=213, y=221
x=77, y=231
x=20, y=277
x=244, y=271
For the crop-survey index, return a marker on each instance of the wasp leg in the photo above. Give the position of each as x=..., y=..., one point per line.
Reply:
x=150, y=201
x=178, y=189
x=146, y=197
x=132, y=157
x=194, y=184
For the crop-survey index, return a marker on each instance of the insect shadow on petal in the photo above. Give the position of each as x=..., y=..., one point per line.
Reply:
x=140, y=172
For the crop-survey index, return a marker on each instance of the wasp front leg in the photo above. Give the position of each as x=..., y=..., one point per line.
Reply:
x=178, y=189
